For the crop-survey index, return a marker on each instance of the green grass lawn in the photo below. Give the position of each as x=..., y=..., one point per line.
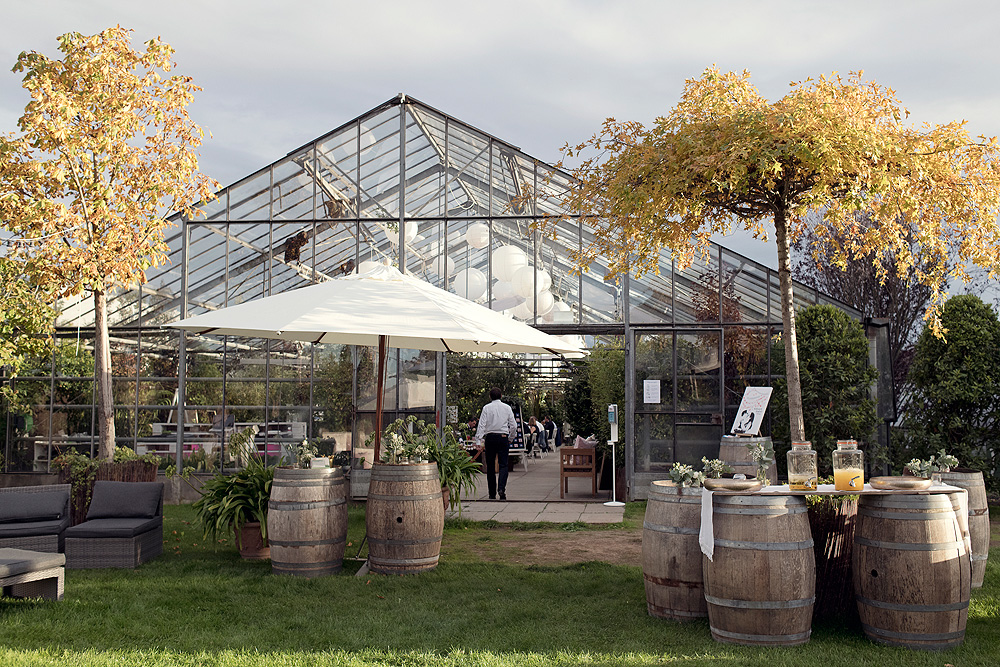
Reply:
x=199, y=604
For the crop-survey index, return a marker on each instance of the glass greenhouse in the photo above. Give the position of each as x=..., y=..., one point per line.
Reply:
x=408, y=184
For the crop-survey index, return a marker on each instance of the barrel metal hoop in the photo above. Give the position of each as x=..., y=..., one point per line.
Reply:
x=760, y=511
x=909, y=546
x=305, y=543
x=669, y=611
x=322, y=566
x=765, y=546
x=800, y=636
x=672, y=530
x=423, y=540
x=897, y=606
x=672, y=583
x=284, y=481
x=908, y=516
x=425, y=496
x=402, y=561
x=760, y=604
x=309, y=505
x=915, y=636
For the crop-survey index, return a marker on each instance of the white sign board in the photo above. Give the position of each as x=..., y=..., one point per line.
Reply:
x=751, y=412
x=650, y=391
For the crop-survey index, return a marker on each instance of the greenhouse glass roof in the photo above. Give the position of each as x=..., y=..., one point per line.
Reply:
x=341, y=200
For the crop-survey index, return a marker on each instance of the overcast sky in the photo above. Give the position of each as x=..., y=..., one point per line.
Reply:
x=536, y=73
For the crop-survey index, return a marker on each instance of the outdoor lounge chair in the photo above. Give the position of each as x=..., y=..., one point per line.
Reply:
x=124, y=527
x=34, y=517
x=28, y=574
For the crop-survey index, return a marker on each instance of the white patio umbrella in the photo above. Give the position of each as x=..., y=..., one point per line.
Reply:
x=382, y=307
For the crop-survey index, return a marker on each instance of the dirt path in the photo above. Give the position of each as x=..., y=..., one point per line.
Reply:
x=555, y=547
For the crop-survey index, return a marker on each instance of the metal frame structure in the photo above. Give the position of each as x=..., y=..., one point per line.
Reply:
x=408, y=184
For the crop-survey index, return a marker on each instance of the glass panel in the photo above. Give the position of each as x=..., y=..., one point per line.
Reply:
x=696, y=290
x=744, y=289
x=565, y=288
x=251, y=199
x=380, y=165
x=293, y=187
x=745, y=352
x=650, y=297
x=425, y=178
x=337, y=162
x=698, y=372
x=418, y=372
x=696, y=440
x=654, y=442
x=247, y=253
x=366, y=374
x=654, y=362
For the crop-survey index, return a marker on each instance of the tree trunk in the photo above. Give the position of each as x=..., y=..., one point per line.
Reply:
x=102, y=374
x=796, y=422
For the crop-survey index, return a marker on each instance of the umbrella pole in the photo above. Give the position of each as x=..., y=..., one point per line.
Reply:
x=380, y=384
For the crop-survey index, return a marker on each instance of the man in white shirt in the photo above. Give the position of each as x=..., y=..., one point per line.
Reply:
x=496, y=428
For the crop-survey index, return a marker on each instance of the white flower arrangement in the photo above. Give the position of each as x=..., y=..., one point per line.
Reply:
x=940, y=462
x=684, y=475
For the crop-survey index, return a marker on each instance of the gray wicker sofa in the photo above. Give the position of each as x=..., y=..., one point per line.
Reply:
x=124, y=527
x=34, y=517
x=28, y=574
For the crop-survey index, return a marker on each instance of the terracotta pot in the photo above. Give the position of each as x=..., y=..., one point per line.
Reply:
x=250, y=543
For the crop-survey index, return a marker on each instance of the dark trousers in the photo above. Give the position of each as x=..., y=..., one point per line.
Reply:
x=496, y=451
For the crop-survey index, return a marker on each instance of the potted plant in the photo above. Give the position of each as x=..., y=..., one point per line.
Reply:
x=715, y=468
x=412, y=439
x=238, y=502
x=762, y=455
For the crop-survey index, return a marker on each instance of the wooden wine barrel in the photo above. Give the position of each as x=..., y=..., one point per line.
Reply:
x=760, y=585
x=979, y=518
x=405, y=518
x=912, y=572
x=671, y=556
x=734, y=452
x=307, y=521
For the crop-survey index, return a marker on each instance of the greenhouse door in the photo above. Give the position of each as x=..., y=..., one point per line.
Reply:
x=678, y=401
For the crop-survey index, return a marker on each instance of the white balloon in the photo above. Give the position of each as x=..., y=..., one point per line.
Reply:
x=527, y=281
x=502, y=289
x=525, y=311
x=544, y=302
x=477, y=235
x=507, y=260
x=469, y=283
x=410, y=232
x=443, y=266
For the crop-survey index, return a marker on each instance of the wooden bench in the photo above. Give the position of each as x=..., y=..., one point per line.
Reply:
x=28, y=574
x=577, y=462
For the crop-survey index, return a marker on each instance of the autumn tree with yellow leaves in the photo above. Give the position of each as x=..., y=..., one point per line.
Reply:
x=726, y=157
x=106, y=150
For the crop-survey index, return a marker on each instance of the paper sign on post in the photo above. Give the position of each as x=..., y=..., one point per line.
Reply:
x=751, y=413
x=650, y=391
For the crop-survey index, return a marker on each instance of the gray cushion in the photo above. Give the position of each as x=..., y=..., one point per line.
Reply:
x=128, y=527
x=33, y=528
x=19, y=561
x=112, y=500
x=39, y=506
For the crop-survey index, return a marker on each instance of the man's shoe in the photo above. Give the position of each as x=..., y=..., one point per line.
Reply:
x=503, y=496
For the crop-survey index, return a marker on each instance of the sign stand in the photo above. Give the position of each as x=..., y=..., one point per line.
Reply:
x=613, y=420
